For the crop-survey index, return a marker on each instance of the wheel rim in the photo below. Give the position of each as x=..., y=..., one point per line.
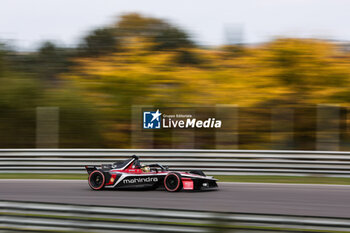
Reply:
x=172, y=182
x=96, y=180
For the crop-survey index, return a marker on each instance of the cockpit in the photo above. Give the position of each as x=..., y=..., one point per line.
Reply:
x=134, y=163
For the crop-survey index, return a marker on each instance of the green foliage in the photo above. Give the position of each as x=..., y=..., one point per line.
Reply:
x=171, y=38
x=289, y=73
x=52, y=61
x=142, y=60
x=133, y=24
x=78, y=120
x=162, y=34
x=19, y=97
x=186, y=57
x=46, y=64
x=2, y=65
x=101, y=41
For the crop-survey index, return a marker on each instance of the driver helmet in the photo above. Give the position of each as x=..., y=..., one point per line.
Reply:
x=145, y=168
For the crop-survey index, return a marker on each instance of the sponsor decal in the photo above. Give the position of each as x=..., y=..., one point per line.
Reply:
x=187, y=185
x=140, y=180
x=192, y=123
x=158, y=120
x=151, y=120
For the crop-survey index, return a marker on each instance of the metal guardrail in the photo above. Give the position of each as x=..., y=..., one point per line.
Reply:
x=215, y=162
x=35, y=216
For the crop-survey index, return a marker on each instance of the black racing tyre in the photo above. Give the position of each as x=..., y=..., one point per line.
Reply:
x=172, y=182
x=198, y=172
x=97, y=180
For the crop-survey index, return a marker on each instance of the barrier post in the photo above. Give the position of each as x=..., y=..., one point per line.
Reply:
x=328, y=124
x=227, y=136
x=183, y=138
x=282, y=128
x=140, y=139
x=47, y=127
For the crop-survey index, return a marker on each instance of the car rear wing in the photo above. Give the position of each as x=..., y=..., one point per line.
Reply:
x=90, y=168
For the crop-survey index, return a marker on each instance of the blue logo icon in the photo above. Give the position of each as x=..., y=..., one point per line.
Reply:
x=151, y=120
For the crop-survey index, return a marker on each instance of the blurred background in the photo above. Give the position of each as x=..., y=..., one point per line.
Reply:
x=77, y=75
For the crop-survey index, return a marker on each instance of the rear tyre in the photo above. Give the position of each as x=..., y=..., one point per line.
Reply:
x=198, y=172
x=172, y=182
x=97, y=180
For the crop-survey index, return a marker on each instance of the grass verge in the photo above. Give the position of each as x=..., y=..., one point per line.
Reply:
x=286, y=179
x=221, y=178
x=43, y=176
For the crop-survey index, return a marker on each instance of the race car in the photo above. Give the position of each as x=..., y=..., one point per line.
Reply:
x=131, y=174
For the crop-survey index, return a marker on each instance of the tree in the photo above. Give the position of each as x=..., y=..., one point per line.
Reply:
x=172, y=38
x=5, y=55
x=101, y=41
x=51, y=61
x=163, y=35
x=46, y=63
x=133, y=24
x=305, y=67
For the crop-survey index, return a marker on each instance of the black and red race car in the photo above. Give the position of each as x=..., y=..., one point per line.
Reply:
x=131, y=174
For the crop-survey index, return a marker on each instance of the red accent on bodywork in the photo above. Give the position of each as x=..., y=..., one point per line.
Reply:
x=112, y=179
x=133, y=171
x=187, y=183
x=131, y=166
x=136, y=171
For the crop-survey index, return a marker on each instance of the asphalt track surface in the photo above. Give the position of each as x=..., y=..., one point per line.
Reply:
x=315, y=200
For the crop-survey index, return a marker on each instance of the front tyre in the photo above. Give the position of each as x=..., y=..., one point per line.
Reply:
x=172, y=182
x=97, y=180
